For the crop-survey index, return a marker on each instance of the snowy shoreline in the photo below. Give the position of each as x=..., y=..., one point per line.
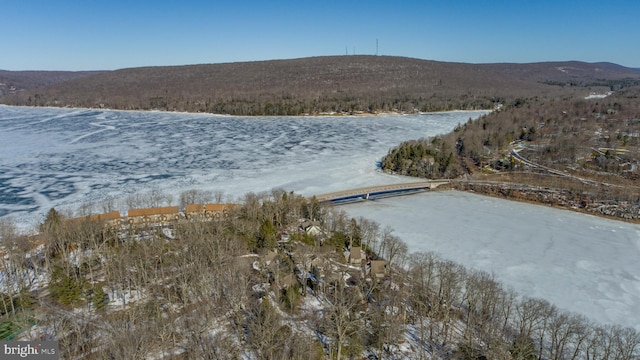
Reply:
x=580, y=263
x=53, y=157
x=334, y=114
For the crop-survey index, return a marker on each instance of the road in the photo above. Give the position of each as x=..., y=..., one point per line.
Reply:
x=372, y=192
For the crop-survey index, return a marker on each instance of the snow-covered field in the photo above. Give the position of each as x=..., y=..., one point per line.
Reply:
x=578, y=262
x=61, y=158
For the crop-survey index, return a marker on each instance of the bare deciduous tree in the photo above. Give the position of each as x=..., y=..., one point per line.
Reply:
x=342, y=321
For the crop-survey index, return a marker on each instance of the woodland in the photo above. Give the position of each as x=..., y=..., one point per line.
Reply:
x=196, y=289
x=312, y=86
x=577, y=153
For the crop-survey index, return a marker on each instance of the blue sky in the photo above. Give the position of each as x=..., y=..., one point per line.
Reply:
x=107, y=35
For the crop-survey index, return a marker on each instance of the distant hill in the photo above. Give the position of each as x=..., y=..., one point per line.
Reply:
x=12, y=82
x=342, y=84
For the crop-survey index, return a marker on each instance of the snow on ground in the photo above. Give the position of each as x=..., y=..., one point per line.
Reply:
x=9, y=281
x=597, y=96
x=119, y=299
x=578, y=262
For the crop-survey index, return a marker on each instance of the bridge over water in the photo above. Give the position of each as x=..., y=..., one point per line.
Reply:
x=378, y=192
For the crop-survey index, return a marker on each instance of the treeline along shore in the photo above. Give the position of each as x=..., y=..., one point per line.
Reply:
x=317, y=85
x=577, y=153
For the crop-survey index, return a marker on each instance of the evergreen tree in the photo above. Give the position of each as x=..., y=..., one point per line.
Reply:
x=52, y=222
x=268, y=237
x=65, y=288
x=100, y=298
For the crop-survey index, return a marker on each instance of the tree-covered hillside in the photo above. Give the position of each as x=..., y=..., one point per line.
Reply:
x=587, y=147
x=279, y=277
x=333, y=84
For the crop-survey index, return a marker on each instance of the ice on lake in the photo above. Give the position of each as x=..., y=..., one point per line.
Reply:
x=64, y=157
x=578, y=262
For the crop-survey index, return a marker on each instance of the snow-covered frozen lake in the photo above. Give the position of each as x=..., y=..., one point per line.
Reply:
x=578, y=262
x=65, y=157
x=61, y=158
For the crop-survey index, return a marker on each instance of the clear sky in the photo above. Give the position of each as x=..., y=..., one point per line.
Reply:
x=113, y=34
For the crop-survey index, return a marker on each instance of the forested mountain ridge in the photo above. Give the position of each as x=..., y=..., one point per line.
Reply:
x=331, y=84
x=14, y=82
